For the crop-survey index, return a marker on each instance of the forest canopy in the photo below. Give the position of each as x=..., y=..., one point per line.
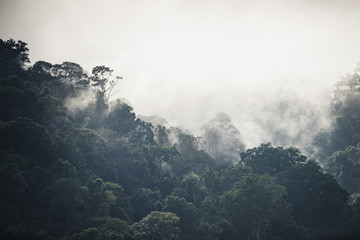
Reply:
x=78, y=164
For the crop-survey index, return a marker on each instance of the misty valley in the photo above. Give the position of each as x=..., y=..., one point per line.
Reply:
x=78, y=164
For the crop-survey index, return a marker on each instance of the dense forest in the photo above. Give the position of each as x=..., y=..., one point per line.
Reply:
x=76, y=165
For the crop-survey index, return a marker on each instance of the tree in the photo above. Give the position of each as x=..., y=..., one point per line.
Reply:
x=89, y=153
x=257, y=206
x=158, y=226
x=221, y=139
x=319, y=203
x=161, y=136
x=64, y=203
x=355, y=216
x=24, y=136
x=122, y=120
x=13, y=57
x=345, y=126
x=144, y=201
x=13, y=190
x=233, y=174
x=102, y=81
x=207, y=231
x=191, y=184
x=270, y=160
x=90, y=234
x=185, y=211
x=18, y=98
x=158, y=156
x=63, y=81
x=345, y=167
x=118, y=200
x=191, y=157
x=212, y=182
x=116, y=229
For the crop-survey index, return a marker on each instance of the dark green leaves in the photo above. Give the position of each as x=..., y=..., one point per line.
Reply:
x=271, y=160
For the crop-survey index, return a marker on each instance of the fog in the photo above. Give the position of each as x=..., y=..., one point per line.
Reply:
x=269, y=65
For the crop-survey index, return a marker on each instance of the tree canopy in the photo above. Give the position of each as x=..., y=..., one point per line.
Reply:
x=77, y=164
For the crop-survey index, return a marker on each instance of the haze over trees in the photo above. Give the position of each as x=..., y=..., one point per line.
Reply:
x=76, y=164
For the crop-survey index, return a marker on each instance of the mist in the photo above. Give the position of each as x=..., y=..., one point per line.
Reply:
x=269, y=66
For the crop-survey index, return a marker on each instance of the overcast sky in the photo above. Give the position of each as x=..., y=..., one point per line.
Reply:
x=189, y=59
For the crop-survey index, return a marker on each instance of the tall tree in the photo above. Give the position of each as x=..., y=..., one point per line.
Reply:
x=13, y=57
x=257, y=207
x=319, y=203
x=345, y=127
x=270, y=160
x=102, y=80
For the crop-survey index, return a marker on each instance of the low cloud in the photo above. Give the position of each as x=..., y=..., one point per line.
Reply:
x=81, y=101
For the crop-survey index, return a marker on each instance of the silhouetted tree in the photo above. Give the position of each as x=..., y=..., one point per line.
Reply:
x=13, y=57
x=102, y=80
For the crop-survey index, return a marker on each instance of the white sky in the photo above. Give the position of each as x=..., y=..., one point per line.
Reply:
x=187, y=60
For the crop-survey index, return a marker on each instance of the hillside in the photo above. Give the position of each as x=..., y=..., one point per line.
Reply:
x=76, y=164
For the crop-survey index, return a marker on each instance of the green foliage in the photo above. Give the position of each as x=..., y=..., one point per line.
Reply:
x=185, y=211
x=116, y=229
x=326, y=201
x=25, y=137
x=233, y=174
x=90, y=234
x=192, y=189
x=144, y=201
x=89, y=153
x=97, y=171
x=270, y=160
x=161, y=136
x=191, y=157
x=261, y=202
x=345, y=128
x=158, y=226
x=117, y=200
x=13, y=57
x=164, y=154
x=70, y=73
x=64, y=169
x=65, y=203
x=345, y=167
x=101, y=79
x=18, y=98
x=123, y=121
x=208, y=231
x=212, y=182
x=355, y=220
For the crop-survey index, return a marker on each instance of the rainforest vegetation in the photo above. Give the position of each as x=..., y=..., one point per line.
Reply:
x=77, y=164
